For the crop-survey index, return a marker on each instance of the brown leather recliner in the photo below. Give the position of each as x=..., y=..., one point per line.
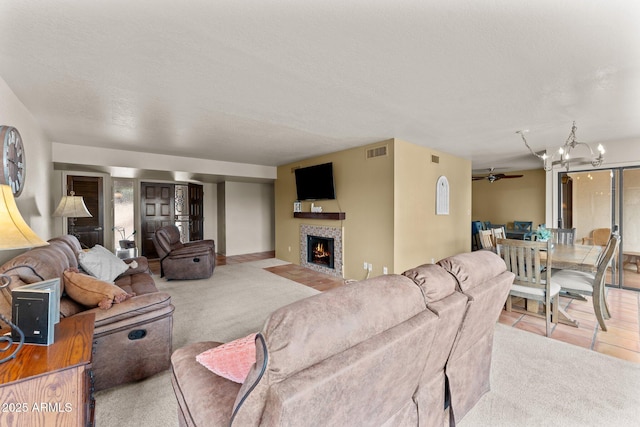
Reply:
x=182, y=261
x=131, y=340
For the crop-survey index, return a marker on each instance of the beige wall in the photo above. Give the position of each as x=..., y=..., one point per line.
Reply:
x=35, y=202
x=389, y=204
x=508, y=200
x=364, y=191
x=248, y=224
x=420, y=234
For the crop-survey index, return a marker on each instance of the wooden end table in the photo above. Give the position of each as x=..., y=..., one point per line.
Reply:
x=51, y=385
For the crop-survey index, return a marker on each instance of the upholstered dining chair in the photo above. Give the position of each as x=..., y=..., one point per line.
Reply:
x=591, y=283
x=532, y=281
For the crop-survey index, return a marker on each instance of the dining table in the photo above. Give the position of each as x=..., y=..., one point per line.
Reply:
x=575, y=257
x=572, y=257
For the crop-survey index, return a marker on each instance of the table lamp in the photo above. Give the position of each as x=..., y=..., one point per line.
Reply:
x=72, y=207
x=16, y=234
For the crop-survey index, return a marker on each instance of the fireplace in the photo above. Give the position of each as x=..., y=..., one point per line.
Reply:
x=320, y=250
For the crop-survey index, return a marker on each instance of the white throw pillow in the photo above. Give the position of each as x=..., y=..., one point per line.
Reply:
x=101, y=263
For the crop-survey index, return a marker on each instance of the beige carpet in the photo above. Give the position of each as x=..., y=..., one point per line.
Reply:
x=234, y=302
x=535, y=381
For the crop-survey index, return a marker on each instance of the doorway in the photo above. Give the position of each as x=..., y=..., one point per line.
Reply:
x=90, y=230
x=163, y=204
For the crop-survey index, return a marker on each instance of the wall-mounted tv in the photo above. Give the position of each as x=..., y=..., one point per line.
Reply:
x=315, y=182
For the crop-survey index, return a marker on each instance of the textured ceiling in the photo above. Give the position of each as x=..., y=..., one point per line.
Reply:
x=270, y=82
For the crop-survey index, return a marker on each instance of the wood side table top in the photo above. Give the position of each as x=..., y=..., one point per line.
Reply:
x=72, y=346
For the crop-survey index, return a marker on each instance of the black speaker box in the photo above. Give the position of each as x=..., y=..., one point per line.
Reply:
x=36, y=310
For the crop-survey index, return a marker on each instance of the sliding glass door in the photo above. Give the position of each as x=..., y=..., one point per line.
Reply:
x=630, y=228
x=596, y=201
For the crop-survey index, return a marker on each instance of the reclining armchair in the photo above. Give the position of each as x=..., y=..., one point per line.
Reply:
x=181, y=261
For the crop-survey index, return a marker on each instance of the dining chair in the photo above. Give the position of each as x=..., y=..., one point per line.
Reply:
x=486, y=240
x=524, y=226
x=475, y=238
x=563, y=236
x=532, y=281
x=591, y=283
x=599, y=237
x=498, y=233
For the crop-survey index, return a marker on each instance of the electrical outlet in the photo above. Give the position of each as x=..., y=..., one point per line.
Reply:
x=289, y=248
x=369, y=267
x=433, y=261
x=366, y=266
x=385, y=270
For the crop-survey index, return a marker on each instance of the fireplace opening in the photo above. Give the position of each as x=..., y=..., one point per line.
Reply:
x=320, y=251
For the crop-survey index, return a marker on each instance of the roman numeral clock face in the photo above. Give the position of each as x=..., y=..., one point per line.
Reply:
x=13, y=163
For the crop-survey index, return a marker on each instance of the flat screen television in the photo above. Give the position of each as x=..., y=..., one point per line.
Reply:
x=315, y=182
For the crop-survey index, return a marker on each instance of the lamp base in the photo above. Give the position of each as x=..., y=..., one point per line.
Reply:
x=7, y=341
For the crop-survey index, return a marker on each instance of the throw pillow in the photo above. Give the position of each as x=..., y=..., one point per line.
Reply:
x=232, y=360
x=101, y=263
x=92, y=292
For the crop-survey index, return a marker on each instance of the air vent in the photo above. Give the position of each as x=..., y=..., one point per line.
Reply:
x=377, y=152
x=435, y=159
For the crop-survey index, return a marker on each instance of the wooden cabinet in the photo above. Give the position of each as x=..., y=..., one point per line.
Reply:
x=51, y=385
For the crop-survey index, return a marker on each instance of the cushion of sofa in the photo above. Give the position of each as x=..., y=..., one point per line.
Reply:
x=472, y=269
x=232, y=360
x=434, y=281
x=92, y=292
x=101, y=263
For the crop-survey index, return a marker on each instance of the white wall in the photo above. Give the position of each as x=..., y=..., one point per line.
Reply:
x=35, y=202
x=249, y=217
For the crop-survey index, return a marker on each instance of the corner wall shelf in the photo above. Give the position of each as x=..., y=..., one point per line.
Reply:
x=321, y=215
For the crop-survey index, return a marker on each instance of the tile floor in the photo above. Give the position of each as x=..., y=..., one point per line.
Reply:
x=621, y=340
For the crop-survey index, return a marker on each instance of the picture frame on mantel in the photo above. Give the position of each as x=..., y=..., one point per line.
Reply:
x=442, y=196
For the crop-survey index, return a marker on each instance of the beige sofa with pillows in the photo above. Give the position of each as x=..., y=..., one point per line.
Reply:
x=411, y=349
x=133, y=321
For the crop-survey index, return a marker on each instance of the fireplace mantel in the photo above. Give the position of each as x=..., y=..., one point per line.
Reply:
x=321, y=215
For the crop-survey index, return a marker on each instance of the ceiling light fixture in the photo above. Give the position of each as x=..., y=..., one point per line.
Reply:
x=565, y=151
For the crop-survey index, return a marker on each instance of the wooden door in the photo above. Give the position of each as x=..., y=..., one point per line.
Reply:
x=90, y=231
x=196, y=217
x=157, y=210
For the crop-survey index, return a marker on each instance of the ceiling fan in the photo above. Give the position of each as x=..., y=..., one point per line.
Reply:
x=495, y=176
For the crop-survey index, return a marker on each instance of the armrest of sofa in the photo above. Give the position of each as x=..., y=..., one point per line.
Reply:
x=189, y=252
x=133, y=307
x=143, y=266
x=204, y=398
x=207, y=243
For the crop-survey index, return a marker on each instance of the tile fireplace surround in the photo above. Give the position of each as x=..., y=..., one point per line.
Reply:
x=334, y=233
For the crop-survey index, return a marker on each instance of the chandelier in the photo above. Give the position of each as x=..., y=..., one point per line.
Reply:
x=564, y=152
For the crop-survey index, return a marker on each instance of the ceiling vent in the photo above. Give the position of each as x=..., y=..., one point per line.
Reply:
x=377, y=152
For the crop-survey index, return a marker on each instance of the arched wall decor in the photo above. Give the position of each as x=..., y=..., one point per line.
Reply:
x=442, y=196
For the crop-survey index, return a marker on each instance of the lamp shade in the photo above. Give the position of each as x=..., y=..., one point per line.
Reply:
x=14, y=231
x=72, y=206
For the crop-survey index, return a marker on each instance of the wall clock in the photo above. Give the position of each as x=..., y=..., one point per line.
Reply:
x=12, y=158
